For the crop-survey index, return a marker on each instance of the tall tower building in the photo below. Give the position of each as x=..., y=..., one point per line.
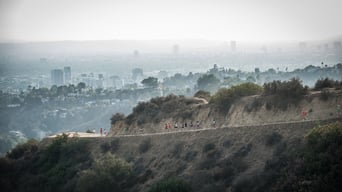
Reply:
x=175, y=49
x=337, y=45
x=57, y=77
x=67, y=75
x=233, y=46
x=302, y=46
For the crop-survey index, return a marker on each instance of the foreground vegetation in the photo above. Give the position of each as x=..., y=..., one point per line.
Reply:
x=311, y=164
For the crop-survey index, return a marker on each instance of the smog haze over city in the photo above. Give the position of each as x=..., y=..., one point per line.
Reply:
x=68, y=65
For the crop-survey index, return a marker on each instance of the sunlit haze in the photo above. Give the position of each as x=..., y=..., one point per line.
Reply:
x=243, y=20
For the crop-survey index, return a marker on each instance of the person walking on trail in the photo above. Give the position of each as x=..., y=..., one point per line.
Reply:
x=304, y=114
x=191, y=124
x=169, y=125
x=176, y=125
x=197, y=124
x=214, y=123
x=101, y=131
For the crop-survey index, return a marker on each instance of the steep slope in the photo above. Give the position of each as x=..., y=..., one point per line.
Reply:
x=250, y=110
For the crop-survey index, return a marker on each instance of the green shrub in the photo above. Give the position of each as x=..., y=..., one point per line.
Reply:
x=19, y=151
x=284, y=93
x=224, y=97
x=105, y=147
x=208, y=82
x=318, y=165
x=145, y=145
x=209, y=146
x=271, y=139
x=108, y=174
x=117, y=117
x=325, y=95
x=177, y=149
x=326, y=83
x=171, y=184
x=243, y=151
x=190, y=156
x=115, y=145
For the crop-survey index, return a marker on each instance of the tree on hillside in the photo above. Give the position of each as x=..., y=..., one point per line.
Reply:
x=80, y=86
x=208, y=82
x=224, y=97
x=117, y=117
x=151, y=82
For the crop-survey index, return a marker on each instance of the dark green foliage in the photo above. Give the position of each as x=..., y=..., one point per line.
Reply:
x=160, y=108
x=224, y=97
x=117, y=117
x=105, y=147
x=284, y=93
x=172, y=184
x=229, y=168
x=325, y=94
x=271, y=139
x=243, y=151
x=318, y=165
x=49, y=169
x=108, y=174
x=227, y=144
x=313, y=165
x=209, y=146
x=151, y=82
x=145, y=145
x=19, y=151
x=115, y=145
x=189, y=156
x=327, y=83
x=178, y=149
x=208, y=82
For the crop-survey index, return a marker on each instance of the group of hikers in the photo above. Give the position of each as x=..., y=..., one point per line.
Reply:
x=185, y=124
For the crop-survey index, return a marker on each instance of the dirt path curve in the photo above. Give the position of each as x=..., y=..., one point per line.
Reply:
x=201, y=99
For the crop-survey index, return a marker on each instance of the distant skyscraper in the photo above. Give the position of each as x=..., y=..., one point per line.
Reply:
x=67, y=74
x=233, y=46
x=337, y=45
x=136, y=53
x=302, y=46
x=175, y=49
x=57, y=77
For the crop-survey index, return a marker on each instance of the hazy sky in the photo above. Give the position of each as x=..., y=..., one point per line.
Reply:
x=248, y=20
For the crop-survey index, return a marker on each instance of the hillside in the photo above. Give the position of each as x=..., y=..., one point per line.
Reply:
x=151, y=117
x=235, y=155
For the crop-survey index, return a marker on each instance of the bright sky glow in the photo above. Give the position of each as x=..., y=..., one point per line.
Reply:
x=247, y=20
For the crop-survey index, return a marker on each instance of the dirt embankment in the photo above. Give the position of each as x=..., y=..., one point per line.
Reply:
x=242, y=112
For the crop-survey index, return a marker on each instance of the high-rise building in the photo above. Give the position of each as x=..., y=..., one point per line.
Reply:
x=233, y=46
x=57, y=77
x=337, y=45
x=302, y=45
x=67, y=75
x=175, y=49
